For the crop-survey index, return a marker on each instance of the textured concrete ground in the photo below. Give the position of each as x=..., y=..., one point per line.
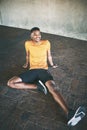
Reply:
x=30, y=109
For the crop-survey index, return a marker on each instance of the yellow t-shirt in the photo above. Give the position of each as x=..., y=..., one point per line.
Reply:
x=38, y=53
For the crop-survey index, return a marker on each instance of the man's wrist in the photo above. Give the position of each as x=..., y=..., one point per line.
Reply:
x=52, y=65
x=26, y=63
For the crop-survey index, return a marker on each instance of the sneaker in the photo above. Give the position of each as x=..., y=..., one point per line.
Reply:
x=41, y=87
x=77, y=116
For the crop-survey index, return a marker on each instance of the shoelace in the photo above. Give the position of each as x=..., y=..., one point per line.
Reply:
x=78, y=113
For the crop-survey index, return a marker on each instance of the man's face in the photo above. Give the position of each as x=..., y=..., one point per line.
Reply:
x=36, y=36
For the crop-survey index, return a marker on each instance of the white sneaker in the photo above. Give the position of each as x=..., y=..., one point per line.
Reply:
x=42, y=87
x=79, y=114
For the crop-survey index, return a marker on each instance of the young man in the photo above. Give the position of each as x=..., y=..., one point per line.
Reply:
x=37, y=77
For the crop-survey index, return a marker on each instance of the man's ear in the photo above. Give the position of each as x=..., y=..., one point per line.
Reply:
x=31, y=35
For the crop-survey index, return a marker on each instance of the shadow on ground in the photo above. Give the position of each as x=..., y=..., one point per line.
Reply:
x=32, y=110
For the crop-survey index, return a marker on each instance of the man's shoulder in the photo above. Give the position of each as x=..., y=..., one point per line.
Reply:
x=45, y=41
x=28, y=42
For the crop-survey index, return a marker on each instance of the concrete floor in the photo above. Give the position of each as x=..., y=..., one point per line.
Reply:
x=31, y=109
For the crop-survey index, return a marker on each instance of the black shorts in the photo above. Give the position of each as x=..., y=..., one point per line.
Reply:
x=32, y=76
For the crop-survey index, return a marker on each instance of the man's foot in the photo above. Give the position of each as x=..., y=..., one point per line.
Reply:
x=76, y=116
x=41, y=87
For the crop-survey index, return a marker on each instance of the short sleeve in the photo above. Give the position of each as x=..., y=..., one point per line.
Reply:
x=26, y=46
x=48, y=45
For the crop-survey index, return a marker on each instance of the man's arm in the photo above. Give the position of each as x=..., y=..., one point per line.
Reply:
x=49, y=56
x=27, y=60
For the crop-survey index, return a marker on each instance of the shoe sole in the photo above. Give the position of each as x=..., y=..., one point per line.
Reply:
x=45, y=90
x=79, y=114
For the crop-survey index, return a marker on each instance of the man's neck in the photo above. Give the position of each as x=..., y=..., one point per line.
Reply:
x=37, y=42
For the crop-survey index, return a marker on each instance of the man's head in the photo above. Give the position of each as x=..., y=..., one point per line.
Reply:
x=35, y=34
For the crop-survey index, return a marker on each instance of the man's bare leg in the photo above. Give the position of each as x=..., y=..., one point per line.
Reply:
x=16, y=82
x=56, y=95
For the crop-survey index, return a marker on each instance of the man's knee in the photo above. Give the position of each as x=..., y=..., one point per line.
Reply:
x=51, y=86
x=9, y=82
x=13, y=81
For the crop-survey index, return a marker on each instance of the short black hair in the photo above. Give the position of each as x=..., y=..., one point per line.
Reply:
x=34, y=29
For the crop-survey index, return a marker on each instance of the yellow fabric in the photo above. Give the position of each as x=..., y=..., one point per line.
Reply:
x=38, y=53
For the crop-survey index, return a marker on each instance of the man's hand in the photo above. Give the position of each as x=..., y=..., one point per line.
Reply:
x=55, y=66
x=25, y=66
